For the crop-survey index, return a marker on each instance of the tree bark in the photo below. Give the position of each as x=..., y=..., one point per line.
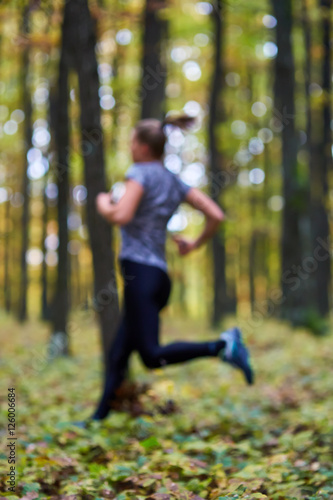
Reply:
x=84, y=60
x=153, y=64
x=27, y=107
x=309, y=285
x=6, y=263
x=319, y=149
x=222, y=303
x=252, y=269
x=59, y=344
x=43, y=280
x=321, y=162
x=294, y=301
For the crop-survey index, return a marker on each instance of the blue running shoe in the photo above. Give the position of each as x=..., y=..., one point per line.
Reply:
x=83, y=424
x=236, y=353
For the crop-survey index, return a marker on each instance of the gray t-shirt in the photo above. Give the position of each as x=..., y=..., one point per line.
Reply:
x=143, y=238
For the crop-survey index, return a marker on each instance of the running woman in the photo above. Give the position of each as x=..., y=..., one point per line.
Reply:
x=152, y=195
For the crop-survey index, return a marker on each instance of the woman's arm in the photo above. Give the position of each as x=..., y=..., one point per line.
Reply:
x=120, y=213
x=214, y=216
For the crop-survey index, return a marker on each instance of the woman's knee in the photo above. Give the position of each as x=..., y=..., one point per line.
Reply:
x=151, y=359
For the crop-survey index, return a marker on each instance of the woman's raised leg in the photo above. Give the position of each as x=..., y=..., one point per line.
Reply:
x=145, y=295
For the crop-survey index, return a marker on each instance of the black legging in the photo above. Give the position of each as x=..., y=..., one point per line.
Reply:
x=146, y=292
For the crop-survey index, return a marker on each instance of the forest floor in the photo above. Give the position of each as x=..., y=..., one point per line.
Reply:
x=195, y=431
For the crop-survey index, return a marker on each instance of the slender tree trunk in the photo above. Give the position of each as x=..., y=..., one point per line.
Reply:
x=319, y=149
x=307, y=72
x=59, y=344
x=84, y=60
x=252, y=269
x=266, y=197
x=44, y=301
x=293, y=305
x=320, y=164
x=27, y=107
x=309, y=284
x=222, y=302
x=116, y=93
x=6, y=263
x=153, y=63
x=118, y=78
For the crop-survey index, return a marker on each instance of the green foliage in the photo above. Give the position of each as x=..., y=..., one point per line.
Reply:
x=224, y=440
x=313, y=321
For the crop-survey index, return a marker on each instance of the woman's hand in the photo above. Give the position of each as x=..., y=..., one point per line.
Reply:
x=185, y=246
x=122, y=212
x=103, y=203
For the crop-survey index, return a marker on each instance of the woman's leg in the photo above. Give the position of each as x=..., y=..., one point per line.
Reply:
x=119, y=354
x=145, y=295
x=155, y=355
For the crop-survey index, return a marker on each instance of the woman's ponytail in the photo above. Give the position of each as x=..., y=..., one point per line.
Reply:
x=182, y=121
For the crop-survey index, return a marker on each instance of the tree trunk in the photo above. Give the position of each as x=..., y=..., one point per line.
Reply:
x=27, y=107
x=310, y=284
x=319, y=149
x=84, y=60
x=222, y=302
x=6, y=263
x=117, y=96
x=320, y=164
x=252, y=269
x=153, y=64
x=59, y=344
x=44, y=283
x=293, y=306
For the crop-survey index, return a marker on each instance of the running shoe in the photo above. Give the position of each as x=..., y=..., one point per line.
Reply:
x=83, y=424
x=236, y=354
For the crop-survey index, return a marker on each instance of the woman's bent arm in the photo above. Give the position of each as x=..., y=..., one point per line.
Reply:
x=214, y=216
x=121, y=213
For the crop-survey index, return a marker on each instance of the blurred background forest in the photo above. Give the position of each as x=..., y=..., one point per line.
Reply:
x=75, y=78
